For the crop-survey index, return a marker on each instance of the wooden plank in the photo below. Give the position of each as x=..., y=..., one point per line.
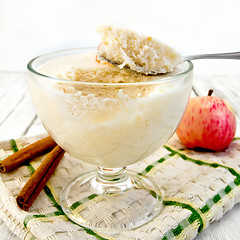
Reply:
x=19, y=120
x=7, y=80
x=8, y=105
x=12, y=82
x=14, y=104
x=12, y=91
x=36, y=128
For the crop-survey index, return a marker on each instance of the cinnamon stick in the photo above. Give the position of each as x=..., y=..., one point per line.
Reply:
x=26, y=154
x=38, y=180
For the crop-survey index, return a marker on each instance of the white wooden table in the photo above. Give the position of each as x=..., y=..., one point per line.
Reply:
x=18, y=118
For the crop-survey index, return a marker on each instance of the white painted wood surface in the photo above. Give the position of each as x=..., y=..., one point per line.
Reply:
x=18, y=118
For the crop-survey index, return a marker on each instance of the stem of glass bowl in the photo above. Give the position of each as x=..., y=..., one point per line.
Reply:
x=112, y=180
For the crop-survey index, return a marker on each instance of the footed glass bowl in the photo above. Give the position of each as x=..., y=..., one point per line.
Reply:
x=110, y=125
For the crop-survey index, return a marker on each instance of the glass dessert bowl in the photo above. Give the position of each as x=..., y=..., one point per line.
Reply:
x=111, y=124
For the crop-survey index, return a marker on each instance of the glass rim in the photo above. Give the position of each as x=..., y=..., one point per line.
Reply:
x=32, y=70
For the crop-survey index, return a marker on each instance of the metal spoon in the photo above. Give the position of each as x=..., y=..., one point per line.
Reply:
x=230, y=55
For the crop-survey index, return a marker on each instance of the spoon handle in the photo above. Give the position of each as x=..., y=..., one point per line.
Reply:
x=230, y=55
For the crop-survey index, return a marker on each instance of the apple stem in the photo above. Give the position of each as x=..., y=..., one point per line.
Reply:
x=210, y=91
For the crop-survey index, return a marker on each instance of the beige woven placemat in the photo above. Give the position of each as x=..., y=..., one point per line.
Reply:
x=199, y=188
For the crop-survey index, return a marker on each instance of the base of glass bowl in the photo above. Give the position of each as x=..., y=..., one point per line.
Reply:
x=111, y=200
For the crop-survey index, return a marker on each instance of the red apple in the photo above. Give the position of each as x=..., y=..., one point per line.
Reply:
x=209, y=122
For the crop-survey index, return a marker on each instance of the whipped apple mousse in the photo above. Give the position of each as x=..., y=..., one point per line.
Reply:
x=143, y=54
x=105, y=115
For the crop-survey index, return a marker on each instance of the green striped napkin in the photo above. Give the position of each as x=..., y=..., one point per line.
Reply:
x=199, y=187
